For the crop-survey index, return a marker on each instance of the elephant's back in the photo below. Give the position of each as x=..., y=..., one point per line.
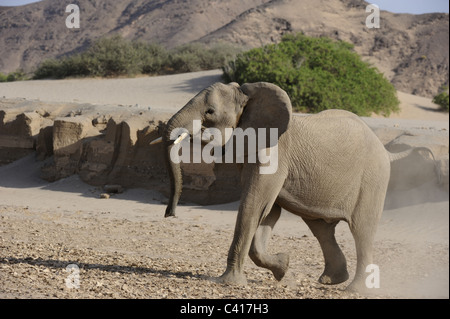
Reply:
x=332, y=130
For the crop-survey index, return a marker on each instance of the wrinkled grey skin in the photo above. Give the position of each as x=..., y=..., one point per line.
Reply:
x=331, y=168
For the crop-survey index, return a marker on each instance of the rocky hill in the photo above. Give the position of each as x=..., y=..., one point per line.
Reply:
x=412, y=50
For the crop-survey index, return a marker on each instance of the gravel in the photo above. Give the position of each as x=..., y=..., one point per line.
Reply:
x=93, y=255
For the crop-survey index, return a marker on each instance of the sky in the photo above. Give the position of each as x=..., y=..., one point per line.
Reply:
x=397, y=6
x=16, y=2
x=411, y=6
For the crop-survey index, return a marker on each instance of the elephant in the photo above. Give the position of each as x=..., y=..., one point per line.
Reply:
x=331, y=168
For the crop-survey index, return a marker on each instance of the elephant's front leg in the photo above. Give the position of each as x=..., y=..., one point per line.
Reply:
x=259, y=194
x=277, y=263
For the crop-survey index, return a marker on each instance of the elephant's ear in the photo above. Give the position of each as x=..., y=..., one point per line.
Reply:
x=268, y=107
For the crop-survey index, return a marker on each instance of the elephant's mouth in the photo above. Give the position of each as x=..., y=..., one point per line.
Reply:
x=203, y=134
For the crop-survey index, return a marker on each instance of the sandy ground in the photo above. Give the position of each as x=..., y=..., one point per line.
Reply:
x=122, y=247
x=165, y=93
x=162, y=93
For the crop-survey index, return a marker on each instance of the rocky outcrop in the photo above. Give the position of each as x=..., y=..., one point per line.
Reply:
x=19, y=133
x=108, y=145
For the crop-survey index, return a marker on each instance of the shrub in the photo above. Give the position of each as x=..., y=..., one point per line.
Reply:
x=116, y=56
x=76, y=65
x=442, y=99
x=106, y=57
x=111, y=57
x=47, y=69
x=197, y=56
x=18, y=75
x=151, y=58
x=317, y=74
x=58, y=69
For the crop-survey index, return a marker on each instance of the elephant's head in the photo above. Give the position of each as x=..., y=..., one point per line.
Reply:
x=221, y=106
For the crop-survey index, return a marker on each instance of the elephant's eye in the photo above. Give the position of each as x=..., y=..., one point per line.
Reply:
x=209, y=111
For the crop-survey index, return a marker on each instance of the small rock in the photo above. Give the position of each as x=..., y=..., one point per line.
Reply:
x=105, y=195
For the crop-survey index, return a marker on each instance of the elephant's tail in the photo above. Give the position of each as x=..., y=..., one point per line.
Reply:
x=398, y=156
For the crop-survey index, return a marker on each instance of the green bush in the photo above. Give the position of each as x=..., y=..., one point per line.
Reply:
x=442, y=99
x=58, y=69
x=111, y=57
x=317, y=74
x=196, y=57
x=18, y=75
x=106, y=57
x=151, y=58
x=116, y=56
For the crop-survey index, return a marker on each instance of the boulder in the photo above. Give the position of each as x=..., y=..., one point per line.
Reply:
x=68, y=132
x=19, y=133
x=69, y=136
x=44, y=143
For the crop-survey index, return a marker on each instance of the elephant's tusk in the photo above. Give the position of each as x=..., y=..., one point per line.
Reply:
x=156, y=141
x=180, y=138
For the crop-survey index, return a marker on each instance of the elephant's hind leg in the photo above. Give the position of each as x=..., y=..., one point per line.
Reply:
x=278, y=263
x=363, y=227
x=335, y=264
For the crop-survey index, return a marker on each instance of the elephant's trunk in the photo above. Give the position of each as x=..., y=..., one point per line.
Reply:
x=176, y=182
x=174, y=169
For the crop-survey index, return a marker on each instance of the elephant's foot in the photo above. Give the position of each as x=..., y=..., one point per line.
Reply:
x=333, y=277
x=282, y=266
x=232, y=278
x=359, y=285
x=356, y=287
